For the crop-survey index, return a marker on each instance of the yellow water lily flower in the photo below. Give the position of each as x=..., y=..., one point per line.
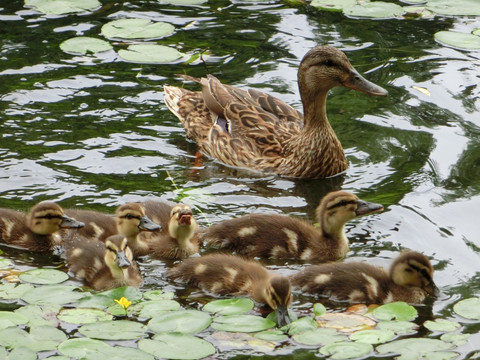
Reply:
x=123, y=302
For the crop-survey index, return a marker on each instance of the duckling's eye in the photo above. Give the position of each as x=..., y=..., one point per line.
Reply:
x=328, y=63
x=48, y=216
x=110, y=249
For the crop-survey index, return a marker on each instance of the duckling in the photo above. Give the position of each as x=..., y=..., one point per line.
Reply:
x=410, y=279
x=283, y=237
x=226, y=274
x=36, y=230
x=251, y=129
x=129, y=220
x=178, y=238
x=101, y=265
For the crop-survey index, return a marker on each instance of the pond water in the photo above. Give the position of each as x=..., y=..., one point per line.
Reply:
x=93, y=132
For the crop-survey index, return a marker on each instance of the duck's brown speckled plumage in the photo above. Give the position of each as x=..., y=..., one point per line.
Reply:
x=280, y=236
x=36, y=230
x=103, y=265
x=410, y=279
x=178, y=237
x=251, y=129
x=226, y=274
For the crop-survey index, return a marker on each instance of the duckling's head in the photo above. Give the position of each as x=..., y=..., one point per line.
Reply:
x=46, y=218
x=182, y=224
x=117, y=252
x=325, y=67
x=413, y=269
x=278, y=296
x=131, y=219
x=338, y=207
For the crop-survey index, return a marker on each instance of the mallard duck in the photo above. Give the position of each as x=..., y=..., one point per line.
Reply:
x=410, y=279
x=178, y=238
x=101, y=265
x=129, y=221
x=280, y=236
x=254, y=130
x=36, y=230
x=226, y=274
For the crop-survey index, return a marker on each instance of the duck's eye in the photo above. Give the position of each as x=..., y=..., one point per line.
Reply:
x=328, y=63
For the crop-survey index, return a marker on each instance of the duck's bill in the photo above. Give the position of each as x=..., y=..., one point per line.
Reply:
x=148, y=225
x=358, y=82
x=432, y=289
x=122, y=260
x=70, y=223
x=365, y=207
x=282, y=316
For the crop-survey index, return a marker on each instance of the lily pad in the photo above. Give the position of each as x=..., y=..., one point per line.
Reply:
x=345, y=322
x=319, y=309
x=149, y=309
x=60, y=7
x=177, y=346
x=415, y=348
x=11, y=291
x=129, y=292
x=271, y=335
x=333, y=5
x=40, y=338
x=21, y=353
x=5, y=263
x=114, y=330
x=11, y=319
x=84, y=44
x=229, y=306
x=395, y=311
x=150, y=54
x=52, y=294
x=454, y=8
x=373, y=337
x=398, y=327
x=185, y=321
x=374, y=9
x=44, y=276
x=136, y=29
x=83, y=316
x=301, y=325
x=40, y=315
x=456, y=339
x=183, y=2
x=458, y=40
x=442, y=325
x=158, y=295
x=242, y=323
x=468, y=308
x=346, y=350
x=320, y=336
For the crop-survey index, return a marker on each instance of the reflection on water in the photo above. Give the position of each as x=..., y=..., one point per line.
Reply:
x=95, y=133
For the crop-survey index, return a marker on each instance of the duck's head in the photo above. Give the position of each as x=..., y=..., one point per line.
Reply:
x=278, y=296
x=46, y=218
x=117, y=252
x=131, y=219
x=338, y=207
x=181, y=223
x=325, y=67
x=414, y=269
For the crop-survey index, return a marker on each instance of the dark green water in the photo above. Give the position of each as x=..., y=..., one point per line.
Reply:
x=94, y=133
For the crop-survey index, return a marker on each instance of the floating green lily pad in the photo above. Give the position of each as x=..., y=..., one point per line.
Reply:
x=60, y=7
x=177, y=346
x=301, y=325
x=320, y=336
x=468, y=308
x=442, y=325
x=52, y=294
x=136, y=29
x=229, y=306
x=185, y=321
x=84, y=44
x=454, y=8
x=456, y=339
x=10, y=291
x=374, y=9
x=40, y=338
x=149, y=309
x=333, y=5
x=130, y=292
x=183, y=2
x=40, y=315
x=373, y=337
x=319, y=309
x=83, y=316
x=398, y=327
x=11, y=319
x=242, y=323
x=158, y=295
x=271, y=335
x=44, y=276
x=21, y=353
x=458, y=40
x=346, y=350
x=150, y=54
x=395, y=311
x=5, y=263
x=415, y=348
x=114, y=330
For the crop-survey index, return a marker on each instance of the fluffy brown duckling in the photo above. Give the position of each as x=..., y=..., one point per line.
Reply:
x=105, y=265
x=178, y=238
x=410, y=279
x=36, y=230
x=251, y=129
x=226, y=274
x=283, y=237
x=129, y=220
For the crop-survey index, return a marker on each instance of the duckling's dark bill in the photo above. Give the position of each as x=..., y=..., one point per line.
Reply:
x=70, y=223
x=365, y=207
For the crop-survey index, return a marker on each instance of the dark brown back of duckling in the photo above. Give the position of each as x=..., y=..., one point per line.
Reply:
x=98, y=226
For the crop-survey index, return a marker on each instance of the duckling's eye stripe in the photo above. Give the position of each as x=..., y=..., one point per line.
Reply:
x=49, y=217
x=128, y=216
x=421, y=271
x=341, y=203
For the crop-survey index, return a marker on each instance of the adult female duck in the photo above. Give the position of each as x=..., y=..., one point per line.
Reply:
x=251, y=129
